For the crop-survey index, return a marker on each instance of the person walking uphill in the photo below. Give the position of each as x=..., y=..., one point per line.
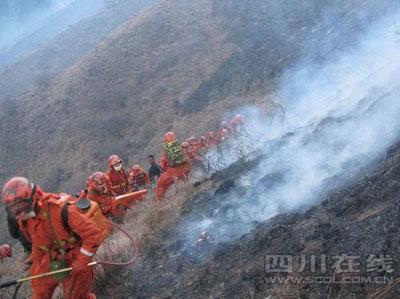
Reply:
x=173, y=162
x=58, y=241
x=118, y=178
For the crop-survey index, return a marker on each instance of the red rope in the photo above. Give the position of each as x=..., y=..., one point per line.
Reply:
x=135, y=247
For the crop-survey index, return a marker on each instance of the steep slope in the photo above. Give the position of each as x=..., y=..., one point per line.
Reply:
x=37, y=23
x=114, y=90
x=56, y=53
x=359, y=221
x=15, y=13
x=179, y=65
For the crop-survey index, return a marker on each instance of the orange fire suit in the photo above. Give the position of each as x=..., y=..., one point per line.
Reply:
x=195, y=157
x=170, y=175
x=78, y=247
x=118, y=181
x=104, y=200
x=138, y=180
x=223, y=134
x=201, y=147
x=188, y=154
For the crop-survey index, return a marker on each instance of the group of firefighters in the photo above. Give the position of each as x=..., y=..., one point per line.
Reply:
x=65, y=231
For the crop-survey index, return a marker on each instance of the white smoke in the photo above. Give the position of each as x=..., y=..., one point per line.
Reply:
x=340, y=117
x=19, y=20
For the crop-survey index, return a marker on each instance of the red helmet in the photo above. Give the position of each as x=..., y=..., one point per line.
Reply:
x=114, y=159
x=170, y=136
x=98, y=180
x=5, y=251
x=237, y=120
x=185, y=144
x=136, y=169
x=18, y=196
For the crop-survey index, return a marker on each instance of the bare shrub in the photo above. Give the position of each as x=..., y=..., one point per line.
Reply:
x=145, y=222
x=237, y=148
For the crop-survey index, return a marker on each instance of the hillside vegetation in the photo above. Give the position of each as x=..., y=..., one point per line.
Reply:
x=179, y=65
x=30, y=63
x=185, y=65
x=358, y=221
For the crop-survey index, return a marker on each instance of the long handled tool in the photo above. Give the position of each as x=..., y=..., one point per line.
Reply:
x=14, y=282
x=136, y=250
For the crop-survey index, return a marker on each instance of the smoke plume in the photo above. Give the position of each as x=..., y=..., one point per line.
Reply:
x=340, y=117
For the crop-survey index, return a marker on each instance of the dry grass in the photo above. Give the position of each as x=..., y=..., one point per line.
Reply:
x=146, y=222
x=13, y=268
x=122, y=97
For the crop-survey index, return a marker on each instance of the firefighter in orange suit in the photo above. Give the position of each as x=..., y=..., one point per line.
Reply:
x=54, y=246
x=174, y=162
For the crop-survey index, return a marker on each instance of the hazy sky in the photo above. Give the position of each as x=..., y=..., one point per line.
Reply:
x=19, y=18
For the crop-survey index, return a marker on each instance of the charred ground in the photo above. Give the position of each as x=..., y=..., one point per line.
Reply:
x=181, y=65
x=359, y=220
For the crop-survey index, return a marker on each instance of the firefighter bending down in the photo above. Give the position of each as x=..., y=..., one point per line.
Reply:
x=62, y=235
x=98, y=191
x=138, y=178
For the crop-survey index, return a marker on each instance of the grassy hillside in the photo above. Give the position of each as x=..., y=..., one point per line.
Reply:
x=180, y=65
x=37, y=23
x=48, y=59
x=358, y=221
x=103, y=103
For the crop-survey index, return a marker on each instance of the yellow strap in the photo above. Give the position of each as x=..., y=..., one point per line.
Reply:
x=52, y=273
x=44, y=248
